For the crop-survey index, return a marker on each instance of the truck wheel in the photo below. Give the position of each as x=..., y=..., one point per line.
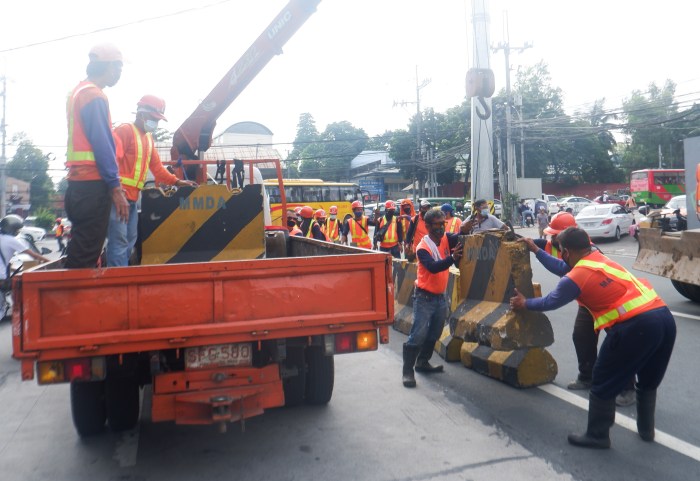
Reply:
x=319, y=386
x=295, y=386
x=87, y=403
x=688, y=291
x=122, y=401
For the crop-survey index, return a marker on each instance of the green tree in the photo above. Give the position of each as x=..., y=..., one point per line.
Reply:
x=31, y=165
x=329, y=156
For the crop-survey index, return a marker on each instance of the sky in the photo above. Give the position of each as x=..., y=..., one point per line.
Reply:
x=353, y=60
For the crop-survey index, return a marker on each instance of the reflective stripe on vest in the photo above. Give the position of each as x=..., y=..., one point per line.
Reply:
x=359, y=236
x=141, y=162
x=644, y=295
x=310, y=233
x=333, y=229
x=552, y=250
x=391, y=237
x=452, y=225
x=75, y=153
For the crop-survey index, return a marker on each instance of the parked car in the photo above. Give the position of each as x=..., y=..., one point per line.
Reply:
x=605, y=220
x=677, y=203
x=30, y=228
x=576, y=203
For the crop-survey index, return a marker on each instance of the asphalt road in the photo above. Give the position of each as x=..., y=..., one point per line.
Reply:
x=458, y=425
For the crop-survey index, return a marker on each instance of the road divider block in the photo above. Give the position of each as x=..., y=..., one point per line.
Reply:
x=448, y=346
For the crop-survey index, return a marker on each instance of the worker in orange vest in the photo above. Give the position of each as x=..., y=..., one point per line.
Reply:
x=418, y=229
x=333, y=225
x=357, y=227
x=453, y=223
x=407, y=214
x=320, y=218
x=640, y=332
x=136, y=155
x=388, y=234
x=93, y=175
x=436, y=252
x=292, y=226
x=585, y=337
x=59, y=230
x=309, y=227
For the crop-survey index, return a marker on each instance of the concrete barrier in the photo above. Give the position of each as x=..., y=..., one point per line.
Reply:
x=518, y=368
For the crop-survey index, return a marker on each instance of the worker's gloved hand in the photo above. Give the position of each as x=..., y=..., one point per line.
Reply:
x=121, y=205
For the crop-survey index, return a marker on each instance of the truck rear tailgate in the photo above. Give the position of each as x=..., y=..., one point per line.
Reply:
x=68, y=313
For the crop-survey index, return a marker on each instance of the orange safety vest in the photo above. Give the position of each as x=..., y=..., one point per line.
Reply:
x=310, y=234
x=419, y=232
x=295, y=231
x=453, y=225
x=552, y=250
x=405, y=224
x=80, y=153
x=132, y=171
x=391, y=237
x=332, y=229
x=59, y=230
x=359, y=232
x=426, y=280
x=639, y=296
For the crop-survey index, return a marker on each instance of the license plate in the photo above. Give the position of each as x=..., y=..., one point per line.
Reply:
x=218, y=355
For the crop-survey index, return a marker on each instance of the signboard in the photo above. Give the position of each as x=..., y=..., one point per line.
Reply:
x=375, y=188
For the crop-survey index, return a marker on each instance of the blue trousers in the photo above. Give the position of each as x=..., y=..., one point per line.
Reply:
x=429, y=314
x=121, y=237
x=641, y=345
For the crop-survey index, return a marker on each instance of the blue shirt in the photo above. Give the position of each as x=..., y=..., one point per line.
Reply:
x=95, y=119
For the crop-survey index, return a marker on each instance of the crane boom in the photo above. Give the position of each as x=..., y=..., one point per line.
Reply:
x=195, y=134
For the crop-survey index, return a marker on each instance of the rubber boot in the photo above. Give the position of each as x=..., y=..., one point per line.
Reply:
x=426, y=352
x=601, y=417
x=646, y=405
x=409, y=359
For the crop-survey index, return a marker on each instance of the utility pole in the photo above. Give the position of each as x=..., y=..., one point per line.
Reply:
x=3, y=159
x=418, y=153
x=510, y=150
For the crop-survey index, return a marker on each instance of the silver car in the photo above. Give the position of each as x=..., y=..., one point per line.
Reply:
x=575, y=203
x=605, y=220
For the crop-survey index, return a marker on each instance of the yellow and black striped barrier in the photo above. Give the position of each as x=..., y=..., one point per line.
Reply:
x=207, y=223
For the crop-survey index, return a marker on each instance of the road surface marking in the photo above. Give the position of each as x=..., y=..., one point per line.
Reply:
x=688, y=316
x=626, y=422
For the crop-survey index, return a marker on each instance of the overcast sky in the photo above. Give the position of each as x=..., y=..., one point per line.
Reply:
x=352, y=60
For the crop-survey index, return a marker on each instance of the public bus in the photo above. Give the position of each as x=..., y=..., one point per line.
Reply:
x=655, y=187
x=315, y=193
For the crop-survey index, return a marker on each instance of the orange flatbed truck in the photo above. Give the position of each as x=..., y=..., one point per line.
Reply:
x=218, y=341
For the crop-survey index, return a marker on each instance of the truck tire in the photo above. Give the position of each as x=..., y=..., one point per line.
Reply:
x=87, y=403
x=295, y=386
x=122, y=402
x=320, y=378
x=689, y=291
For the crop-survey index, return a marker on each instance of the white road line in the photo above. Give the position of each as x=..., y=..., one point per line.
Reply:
x=688, y=316
x=627, y=422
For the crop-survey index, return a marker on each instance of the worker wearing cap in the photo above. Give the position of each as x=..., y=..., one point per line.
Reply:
x=452, y=222
x=388, y=235
x=333, y=224
x=136, y=155
x=417, y=230
x=93, y=175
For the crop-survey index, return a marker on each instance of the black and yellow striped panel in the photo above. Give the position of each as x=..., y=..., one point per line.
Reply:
x=404, y=274
x=448, y=346
x=519, y=368
x=207, y=223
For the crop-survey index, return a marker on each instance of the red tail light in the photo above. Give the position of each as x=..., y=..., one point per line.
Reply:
x=78, y=369
x=606, y=222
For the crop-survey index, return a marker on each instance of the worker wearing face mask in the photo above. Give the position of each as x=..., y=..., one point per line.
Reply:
x=388, y=235
x=333, y=224
x=417, y=230
x=357, y=227
x=481, y=220
x=135, y=156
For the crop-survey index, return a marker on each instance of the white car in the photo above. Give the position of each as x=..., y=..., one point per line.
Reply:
x=575, y=203
x=30, y=228
x=497, y=208
x=552, y=203
x=605, y=220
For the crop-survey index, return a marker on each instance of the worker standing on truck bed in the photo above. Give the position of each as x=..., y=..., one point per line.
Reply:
x=429, y=301
x=135, y=156
x=357, y=227
x=93, y=175
x=640, y=336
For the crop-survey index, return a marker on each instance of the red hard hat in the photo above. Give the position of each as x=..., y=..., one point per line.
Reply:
x=356, y=205
x=320, y=214
x=306, y=212
x=333, y=210
x=406, y=202
x=58, y=220
x=559, y=222
x=297, y=209
x=154, y=106
x=390, y=204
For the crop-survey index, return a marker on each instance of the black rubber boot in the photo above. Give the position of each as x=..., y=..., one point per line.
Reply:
x=646, y=405
x=426, y=352
x=409, y=359
x=601, y=417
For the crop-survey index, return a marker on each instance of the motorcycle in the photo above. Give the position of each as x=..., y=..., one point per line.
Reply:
x=529, y=220
x=18, y=262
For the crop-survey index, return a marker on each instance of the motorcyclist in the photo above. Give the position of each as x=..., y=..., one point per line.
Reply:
x=9, y=245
